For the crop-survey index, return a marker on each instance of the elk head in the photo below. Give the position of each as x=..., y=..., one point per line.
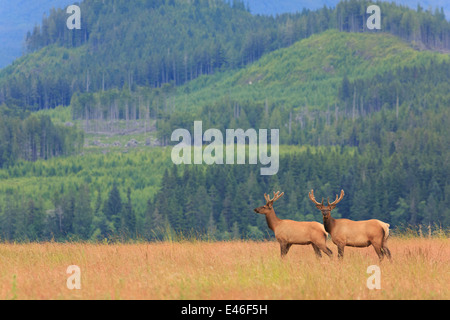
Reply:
x=269, y=203
x=326, y=210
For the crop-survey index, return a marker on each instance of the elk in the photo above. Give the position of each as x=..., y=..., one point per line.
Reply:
x=289, y=232
x=350, y=233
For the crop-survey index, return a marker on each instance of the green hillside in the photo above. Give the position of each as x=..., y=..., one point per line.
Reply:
x=320, y=90
x=386, y=145
x=367, y=112
x=152, y=43
x=310, y=71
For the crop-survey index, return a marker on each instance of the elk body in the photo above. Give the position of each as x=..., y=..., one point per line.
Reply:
x=350, y=233
x=289, y=232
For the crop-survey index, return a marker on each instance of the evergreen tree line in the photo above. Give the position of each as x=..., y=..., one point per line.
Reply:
x=35, y=137
x=73, y=216
x=217, y=201
x=151, y=43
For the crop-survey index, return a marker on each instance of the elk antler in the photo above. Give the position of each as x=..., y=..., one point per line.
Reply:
x=276, y=196
x=338, y=199
x=311, y=197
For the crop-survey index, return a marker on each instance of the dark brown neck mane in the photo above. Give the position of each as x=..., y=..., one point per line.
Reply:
x=329, y=222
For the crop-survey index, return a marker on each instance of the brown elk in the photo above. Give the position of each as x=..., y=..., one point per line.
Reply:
x=350, y=233
x=289, y=232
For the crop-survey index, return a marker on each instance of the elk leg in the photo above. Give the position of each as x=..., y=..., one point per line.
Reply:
x=284, y=248
x=379, y=251
x=316, y=250
x=325, y=249
x=341, y=252
x=387, y=252
x=328, y=252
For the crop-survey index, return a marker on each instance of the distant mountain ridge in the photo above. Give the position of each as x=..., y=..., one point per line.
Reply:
x=294, y=75
x=168, y=43
x=273, y=7
x=20, y=16
x=16, y=19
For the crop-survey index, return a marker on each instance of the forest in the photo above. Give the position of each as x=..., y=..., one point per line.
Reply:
x=62, y=62
x=36, y=137
x=359, y=110
x=141, y=195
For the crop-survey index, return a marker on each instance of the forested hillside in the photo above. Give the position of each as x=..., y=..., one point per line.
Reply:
x=383, y=139
x=359, y=110
x=150, y=43
x=372, y=93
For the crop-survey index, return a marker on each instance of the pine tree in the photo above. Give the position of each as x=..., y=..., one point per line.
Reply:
x=102, y=227
x=128, y=221
x=8, y=218
x=35, y=217
x=113, y=207
x=68, y=213
x=83, y=216
x=211, y=228
x=154, y=223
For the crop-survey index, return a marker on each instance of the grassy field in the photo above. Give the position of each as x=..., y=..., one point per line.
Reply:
x=222, y=270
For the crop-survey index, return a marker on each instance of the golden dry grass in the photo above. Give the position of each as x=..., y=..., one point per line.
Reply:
x=222, y=270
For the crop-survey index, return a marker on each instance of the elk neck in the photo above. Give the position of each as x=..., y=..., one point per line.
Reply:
x=272, y=220
x=329, y=222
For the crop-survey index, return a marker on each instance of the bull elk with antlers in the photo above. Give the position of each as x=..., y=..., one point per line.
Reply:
x=350, y=233
x=289, y=232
